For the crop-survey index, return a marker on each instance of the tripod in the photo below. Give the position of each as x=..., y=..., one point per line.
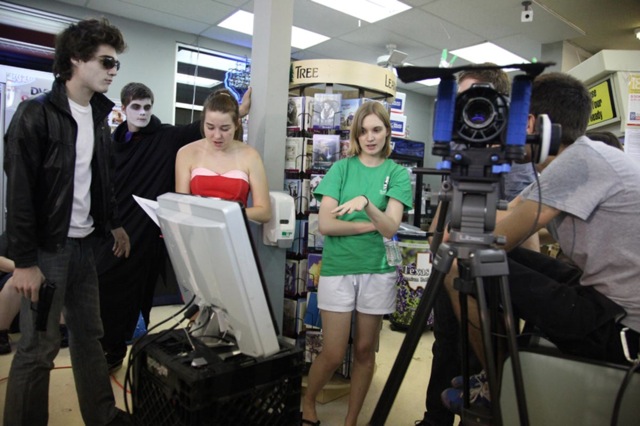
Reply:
x=473, y=190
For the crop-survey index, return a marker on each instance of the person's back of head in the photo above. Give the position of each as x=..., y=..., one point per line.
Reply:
x=606, y=137
x=80, y=41
x=566, y=101
x=497, y=77
x=134, y=91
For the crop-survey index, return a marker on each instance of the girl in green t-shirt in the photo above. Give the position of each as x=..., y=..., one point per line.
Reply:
x=362, y=199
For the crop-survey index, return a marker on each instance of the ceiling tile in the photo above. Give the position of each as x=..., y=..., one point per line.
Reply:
x=430, y=30
x=323, y=20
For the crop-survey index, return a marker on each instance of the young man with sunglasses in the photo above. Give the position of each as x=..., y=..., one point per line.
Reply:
x=59, y=194
x=145, y=155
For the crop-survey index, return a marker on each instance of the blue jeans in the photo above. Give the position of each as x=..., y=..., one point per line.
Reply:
x=27, y=398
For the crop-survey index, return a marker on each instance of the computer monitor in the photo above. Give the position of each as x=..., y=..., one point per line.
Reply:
x=212, y=253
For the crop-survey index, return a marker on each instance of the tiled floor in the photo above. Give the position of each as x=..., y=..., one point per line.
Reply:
x=407, y=408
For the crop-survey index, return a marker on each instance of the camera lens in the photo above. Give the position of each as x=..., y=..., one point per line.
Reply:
x=478, y=113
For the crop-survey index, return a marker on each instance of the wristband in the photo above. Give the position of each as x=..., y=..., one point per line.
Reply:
x=365, y=197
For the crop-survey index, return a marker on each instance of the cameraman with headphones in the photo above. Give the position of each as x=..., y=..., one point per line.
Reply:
x=588, y=198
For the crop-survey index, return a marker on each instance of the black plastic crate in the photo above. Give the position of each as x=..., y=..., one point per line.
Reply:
x=241, y=390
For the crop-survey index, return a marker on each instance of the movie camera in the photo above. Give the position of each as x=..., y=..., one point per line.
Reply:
x=480, y=117
x=478, y=133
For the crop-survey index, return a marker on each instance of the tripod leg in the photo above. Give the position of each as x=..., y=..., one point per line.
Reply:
x=441, y=266
x=513, y=350
x=490, y=360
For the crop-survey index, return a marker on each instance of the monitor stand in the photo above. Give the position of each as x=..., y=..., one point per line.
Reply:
x=207, y=328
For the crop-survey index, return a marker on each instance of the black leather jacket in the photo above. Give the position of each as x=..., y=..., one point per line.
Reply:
x=40, y=156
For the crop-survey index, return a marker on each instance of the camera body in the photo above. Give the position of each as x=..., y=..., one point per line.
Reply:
x=480, y=116
x=526, y=16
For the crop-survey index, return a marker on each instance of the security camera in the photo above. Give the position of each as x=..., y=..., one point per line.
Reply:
x=527, y=13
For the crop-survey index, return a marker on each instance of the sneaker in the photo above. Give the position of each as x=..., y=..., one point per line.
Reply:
x=64, y=336
x=475, y=380
x=121, y=419
x=480, y=397
x=5, y=344
x=114, y=363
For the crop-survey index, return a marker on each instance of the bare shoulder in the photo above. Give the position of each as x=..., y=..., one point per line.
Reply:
x=193, y=148
x=249, y=152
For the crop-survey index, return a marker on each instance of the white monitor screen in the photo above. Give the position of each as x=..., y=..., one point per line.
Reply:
x=211, y=251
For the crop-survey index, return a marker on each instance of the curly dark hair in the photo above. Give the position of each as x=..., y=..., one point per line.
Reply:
x=81, y=41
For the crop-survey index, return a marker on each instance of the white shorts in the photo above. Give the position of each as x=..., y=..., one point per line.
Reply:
x=373, y=294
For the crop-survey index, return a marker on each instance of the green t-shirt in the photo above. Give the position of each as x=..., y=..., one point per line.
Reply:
x=346, y=179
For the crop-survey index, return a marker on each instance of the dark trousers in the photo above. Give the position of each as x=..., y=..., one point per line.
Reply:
x=126, y=291
x=447, y=359
x=546, y=293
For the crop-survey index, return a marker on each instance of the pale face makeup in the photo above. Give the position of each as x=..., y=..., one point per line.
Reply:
x=138, y=113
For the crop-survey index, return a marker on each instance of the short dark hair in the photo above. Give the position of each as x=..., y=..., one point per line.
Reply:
x=566, y=101
x=497, y=77
x=133, y=91
x=366, y=109
x=222, y=100
x=606, y=137
x=81, y=41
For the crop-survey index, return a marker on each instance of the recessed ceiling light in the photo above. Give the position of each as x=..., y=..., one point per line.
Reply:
x=488, y=52
x=367, y=10
x=429, y=82
x=242, y=22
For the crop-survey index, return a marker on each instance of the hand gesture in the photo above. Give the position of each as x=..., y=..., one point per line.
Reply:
x=121, y=245
x=358, y=203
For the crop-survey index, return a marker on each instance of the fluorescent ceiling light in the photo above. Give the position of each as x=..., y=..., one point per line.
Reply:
x=429, y=82
x=188, y=106
x=196, y=81
x=303, y=39
x=367, y=10
x=488, y=52
x=33, y=19
x=242, y=22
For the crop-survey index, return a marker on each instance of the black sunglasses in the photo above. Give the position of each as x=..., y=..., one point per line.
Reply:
x=109, y=62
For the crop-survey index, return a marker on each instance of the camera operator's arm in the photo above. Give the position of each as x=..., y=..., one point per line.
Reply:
x=518, y=223
x=531, y=243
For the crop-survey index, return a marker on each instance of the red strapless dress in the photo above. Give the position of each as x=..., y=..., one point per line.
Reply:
x=232, y=185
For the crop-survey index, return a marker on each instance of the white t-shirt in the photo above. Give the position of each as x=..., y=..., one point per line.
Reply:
x=81, y=220
x=597, y=188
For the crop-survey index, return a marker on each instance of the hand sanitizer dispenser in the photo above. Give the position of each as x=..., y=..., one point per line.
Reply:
x=279, y=231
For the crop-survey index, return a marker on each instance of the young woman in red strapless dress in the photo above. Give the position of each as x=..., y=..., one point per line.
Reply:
x=220, y=165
